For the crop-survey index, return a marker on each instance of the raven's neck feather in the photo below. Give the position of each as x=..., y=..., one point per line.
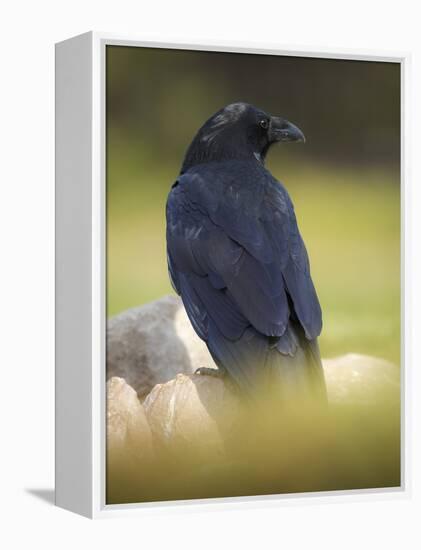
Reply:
x=199, y=153
x=204, y=156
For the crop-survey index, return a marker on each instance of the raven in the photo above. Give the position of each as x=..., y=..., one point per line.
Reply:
x=236, y=256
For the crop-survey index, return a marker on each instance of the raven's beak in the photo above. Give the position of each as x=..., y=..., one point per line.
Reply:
x=283, y=130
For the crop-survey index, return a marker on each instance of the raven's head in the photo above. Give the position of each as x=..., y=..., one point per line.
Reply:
x=239, y=131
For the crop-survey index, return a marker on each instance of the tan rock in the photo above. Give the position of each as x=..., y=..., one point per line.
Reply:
x=355, y=379
x=129, y=437
x=192, y=413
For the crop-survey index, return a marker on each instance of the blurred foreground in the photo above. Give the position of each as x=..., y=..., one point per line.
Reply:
x=194, y=438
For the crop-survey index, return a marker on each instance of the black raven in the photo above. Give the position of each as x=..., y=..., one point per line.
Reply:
x=236, y=257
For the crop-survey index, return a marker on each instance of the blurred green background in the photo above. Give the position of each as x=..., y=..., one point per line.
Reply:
x=344, y=181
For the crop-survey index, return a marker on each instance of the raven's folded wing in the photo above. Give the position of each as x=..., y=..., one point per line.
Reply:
x=235, y=254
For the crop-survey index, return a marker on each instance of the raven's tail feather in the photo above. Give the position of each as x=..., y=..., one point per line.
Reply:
x=292, y=366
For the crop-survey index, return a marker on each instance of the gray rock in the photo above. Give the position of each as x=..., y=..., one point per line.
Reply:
x=151, y=344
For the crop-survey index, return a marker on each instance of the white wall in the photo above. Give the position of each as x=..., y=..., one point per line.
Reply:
x=29, y=30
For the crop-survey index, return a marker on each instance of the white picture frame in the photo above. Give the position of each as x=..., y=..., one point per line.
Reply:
x=80, y=276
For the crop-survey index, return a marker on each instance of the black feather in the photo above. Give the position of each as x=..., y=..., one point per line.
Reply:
x=236, y=257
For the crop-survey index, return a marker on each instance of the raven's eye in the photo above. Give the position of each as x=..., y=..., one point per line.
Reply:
x=264, y=123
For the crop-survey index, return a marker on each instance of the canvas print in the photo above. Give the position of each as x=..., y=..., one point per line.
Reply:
x=253, y=274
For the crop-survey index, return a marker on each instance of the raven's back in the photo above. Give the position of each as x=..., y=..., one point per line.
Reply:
x=237, y=259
